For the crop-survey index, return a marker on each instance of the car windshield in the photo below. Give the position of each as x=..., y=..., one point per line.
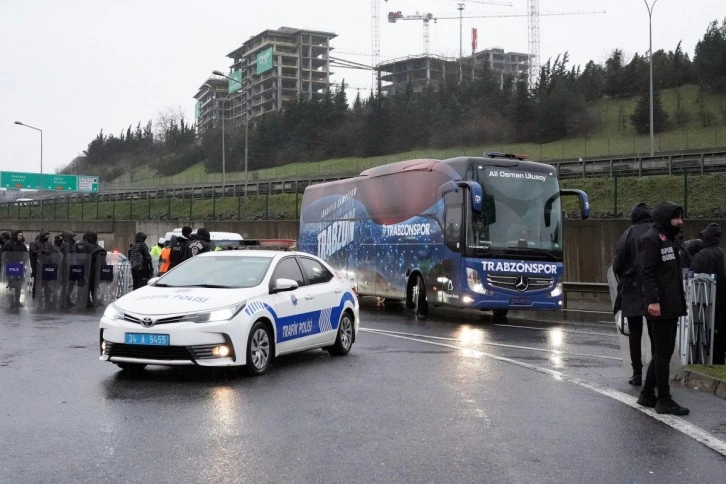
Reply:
x=217, y=271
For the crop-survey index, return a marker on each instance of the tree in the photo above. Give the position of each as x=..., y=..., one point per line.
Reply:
x=710, y=57
x=641, y=116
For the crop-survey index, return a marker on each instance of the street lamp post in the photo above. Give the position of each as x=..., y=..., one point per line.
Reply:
x=41, y=161
x=247, y=122
x=650, y=64
x=222, y=119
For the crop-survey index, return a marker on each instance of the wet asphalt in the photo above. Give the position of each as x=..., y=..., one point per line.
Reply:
x=455, y=397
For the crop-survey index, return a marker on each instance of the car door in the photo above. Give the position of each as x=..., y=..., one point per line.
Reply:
x=326, y=292
x=294, y=310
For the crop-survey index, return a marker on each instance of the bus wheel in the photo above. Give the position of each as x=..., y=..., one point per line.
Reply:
x=500, y=313
x=418, y=297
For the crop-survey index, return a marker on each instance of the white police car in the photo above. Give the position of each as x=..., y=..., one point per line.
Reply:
x=227, y=308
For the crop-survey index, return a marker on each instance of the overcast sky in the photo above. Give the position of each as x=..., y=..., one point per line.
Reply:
x=75, y=67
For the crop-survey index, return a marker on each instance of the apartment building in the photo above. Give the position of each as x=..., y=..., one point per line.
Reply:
x=213, y=103
x=423, y=70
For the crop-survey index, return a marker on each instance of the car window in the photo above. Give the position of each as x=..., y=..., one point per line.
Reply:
x=218, y=271
x=288, y=268
x=315, y=271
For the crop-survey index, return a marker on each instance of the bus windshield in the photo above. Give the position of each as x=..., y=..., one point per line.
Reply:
x=520, y=217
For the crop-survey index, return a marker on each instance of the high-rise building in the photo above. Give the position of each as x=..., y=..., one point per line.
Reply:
x=212, y=103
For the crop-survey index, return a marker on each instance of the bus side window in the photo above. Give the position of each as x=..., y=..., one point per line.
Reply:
x=452, y=230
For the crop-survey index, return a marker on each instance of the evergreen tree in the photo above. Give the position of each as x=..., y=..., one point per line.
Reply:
x=641, y=116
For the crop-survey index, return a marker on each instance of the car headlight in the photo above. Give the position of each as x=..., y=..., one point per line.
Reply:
x=221, y=314
x=112, y=312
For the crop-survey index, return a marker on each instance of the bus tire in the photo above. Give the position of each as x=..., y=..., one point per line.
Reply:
x=416, y=299
x=500, y=313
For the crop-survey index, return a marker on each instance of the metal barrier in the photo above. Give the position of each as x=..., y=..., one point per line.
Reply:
x=696, y=329
x=584, y=287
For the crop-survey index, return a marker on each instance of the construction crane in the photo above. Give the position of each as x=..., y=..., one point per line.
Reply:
x=393, y=17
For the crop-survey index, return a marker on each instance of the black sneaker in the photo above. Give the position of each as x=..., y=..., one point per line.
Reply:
x=647, y=399
x=669, y=406
x=636, y=380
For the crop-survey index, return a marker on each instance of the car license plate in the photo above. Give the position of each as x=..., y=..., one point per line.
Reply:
x=520, y=301
x=146, y=339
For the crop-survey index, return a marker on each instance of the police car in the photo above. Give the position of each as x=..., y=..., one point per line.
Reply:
x=228, y=308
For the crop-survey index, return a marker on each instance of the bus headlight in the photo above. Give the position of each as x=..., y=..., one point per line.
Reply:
x=474, y=281
x=557, y=291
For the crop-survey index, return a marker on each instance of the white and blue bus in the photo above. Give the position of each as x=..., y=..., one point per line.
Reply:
x=482, y=233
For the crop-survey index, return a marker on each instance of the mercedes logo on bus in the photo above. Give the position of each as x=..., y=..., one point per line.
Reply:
x=521, y=283
x=147, y=322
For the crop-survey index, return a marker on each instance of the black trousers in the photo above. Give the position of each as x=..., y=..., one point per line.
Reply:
x=635, y=324
x=663, y=334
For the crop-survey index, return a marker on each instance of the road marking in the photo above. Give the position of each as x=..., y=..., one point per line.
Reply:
x=528, y=348
x=613, y=334
x=672, y=421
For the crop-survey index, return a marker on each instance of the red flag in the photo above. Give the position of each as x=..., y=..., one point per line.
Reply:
x=473, y=40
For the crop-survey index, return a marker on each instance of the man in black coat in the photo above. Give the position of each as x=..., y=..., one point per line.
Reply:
x=199, y=244
x=179, y=247
x=16, y=243
x=89, y=245
x=39, y=247
x=142, y=267
x=710, y=260
x=630, y=285
x=658, y=260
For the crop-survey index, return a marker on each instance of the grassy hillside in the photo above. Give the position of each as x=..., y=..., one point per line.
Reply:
x=613, y=135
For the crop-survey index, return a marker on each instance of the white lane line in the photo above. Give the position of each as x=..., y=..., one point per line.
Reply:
x=613, y=334
x=488, y=343
x=672, y=421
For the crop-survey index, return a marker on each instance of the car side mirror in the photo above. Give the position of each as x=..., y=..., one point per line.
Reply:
x=282, y=284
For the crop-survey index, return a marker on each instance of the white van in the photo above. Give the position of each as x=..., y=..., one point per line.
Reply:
x=219, y=239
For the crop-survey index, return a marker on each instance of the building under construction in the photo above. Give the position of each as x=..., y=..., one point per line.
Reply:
x=434, y=70
x=273, y=67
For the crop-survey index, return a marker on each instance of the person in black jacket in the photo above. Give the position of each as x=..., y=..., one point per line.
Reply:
x=630, y=285
x=179, y=247
x=710, y=260
x=89, y=245
x=39, y=247
x=142, y=267
x=658, y=259
x=15, y=244
x=200, y=244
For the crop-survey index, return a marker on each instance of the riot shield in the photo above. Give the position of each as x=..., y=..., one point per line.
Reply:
x=15, y=281
x=107, y=285
x=47, y=284
x=75, y=283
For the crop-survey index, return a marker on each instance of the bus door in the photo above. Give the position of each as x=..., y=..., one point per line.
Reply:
x=444, y=281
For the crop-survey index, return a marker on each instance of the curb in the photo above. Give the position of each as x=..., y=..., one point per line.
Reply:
x=700, y=382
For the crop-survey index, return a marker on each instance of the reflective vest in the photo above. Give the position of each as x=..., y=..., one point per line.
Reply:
x=164, y=260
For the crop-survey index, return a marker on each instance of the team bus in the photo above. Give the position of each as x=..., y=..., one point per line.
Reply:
x=467, y=232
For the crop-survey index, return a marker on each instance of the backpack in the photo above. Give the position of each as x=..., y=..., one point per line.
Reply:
x=135, y=258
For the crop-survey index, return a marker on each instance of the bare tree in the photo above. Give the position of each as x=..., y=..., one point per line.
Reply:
x=166, y=119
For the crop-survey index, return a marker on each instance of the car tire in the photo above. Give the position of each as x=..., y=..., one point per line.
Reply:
x=345, y=337
x=500, y=313
x=131, y=366
x=259, y=349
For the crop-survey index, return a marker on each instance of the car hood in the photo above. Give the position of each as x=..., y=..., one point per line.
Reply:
x=154, y=300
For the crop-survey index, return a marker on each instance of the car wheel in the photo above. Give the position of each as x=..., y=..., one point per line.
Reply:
x=500, y=313
x=259, y=349
x=131, y=366
x=418, y=297
x=344, y=340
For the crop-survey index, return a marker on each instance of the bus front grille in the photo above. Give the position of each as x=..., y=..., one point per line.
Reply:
x=519, y=282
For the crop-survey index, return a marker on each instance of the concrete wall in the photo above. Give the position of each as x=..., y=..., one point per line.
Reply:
x=589, y=244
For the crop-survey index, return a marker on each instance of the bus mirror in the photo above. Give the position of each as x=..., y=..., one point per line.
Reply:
x=582, y=198
x=448, y=187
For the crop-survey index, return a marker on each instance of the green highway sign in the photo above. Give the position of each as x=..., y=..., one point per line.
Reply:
x=11, y=179
x=32, y=181
x=60, y=182
x=235, y=83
